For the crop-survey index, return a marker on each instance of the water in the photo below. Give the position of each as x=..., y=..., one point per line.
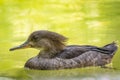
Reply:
x=94, y=22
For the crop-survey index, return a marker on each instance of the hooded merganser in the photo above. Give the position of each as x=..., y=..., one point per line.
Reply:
x=56, y=55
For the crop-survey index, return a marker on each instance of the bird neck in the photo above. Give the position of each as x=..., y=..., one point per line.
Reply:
x=51, y=52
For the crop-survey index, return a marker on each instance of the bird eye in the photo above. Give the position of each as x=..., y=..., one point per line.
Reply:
x=34, y=38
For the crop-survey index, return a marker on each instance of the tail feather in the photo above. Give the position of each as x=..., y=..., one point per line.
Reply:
x=112, y=47
x=107, y=49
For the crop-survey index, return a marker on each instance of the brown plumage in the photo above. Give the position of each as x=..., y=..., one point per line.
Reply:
x=56, y=55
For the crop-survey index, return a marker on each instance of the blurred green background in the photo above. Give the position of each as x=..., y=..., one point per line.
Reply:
x=93, y=22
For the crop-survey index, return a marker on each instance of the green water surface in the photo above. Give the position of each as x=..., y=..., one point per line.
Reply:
x=93, y=22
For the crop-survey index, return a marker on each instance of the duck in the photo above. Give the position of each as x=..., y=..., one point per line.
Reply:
x=55, y=54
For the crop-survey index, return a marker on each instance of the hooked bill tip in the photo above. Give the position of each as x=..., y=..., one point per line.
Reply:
x=11, y=49
x=22, y=46
x=14, y=48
